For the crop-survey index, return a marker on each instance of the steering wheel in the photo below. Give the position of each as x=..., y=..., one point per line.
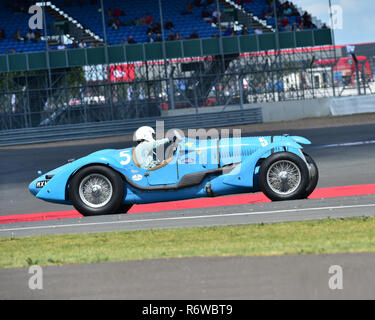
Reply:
x=171, y=150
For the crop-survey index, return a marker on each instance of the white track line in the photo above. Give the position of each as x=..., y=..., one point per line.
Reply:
x=189, y=217
x=345, y=144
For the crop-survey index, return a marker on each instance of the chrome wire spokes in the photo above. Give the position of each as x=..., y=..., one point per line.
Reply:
x=283, y=177
x=95, y=190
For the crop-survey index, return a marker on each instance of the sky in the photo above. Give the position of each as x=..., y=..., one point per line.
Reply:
x=354, y=19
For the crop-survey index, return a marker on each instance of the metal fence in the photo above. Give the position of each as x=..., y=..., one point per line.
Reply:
x=125, y=91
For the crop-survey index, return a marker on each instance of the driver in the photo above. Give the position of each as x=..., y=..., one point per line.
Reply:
x=145, y=151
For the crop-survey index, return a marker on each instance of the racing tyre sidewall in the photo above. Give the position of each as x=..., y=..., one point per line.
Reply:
x=314, y=175
x=284, y=157
x=124, y=208
x=112, y=180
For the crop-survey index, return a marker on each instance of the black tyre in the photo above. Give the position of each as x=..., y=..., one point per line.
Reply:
x=96, y=190
x=124, y=208
x=283, y=176
x=314, y=175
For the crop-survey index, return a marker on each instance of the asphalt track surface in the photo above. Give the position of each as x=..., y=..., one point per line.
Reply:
x=345, y=157
x=285, y=277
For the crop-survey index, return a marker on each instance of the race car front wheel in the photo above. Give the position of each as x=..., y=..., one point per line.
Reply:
x=283, y=176
x=314, y=175
x=96, y=190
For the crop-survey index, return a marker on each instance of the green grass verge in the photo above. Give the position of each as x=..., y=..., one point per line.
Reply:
x=312, y=237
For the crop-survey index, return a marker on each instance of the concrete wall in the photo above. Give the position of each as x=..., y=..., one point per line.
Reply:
x=293, y=110
x=352, y=105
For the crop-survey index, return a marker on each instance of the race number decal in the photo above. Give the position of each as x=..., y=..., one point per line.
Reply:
x=126, y=157
x=263, y=142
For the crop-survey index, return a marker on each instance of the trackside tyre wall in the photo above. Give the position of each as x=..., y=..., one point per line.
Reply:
x=300, y=190
x=114, y=180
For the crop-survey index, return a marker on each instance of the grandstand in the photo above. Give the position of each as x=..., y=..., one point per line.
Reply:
x=88, y=15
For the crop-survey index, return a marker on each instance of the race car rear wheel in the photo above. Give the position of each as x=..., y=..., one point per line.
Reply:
x=96, y=190
x=283, y=176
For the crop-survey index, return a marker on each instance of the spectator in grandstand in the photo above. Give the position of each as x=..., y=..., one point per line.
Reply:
x=285, y=21
x=2, y=34
x=131, y=40
x=13, y=51
x=210, y=2
x=216, y=16
x=74, y=44
x=189, y=9
x=177, y=36
x=118, y=23
x=198, y=3
x=38, y=35
x=30, y=36
x=307, y=20
x=295, y=27
x=206, y=15
x=194, y=35
x=264, y=14
x=158, y=38
x=311, y=26
x=150, y=39
x=157, y=27
x=109, y=13
x=169, y=25
x=244, y=31
x=287, y=11
x=61, y=46
x=170, y=36
x=117, y=12
x=233, y=32
x=113, y=24
x=288, y=28
x=124, y=41
x=82, y=44
x=324, y=26
x=148, y=18
x=258, y=31
x=136, y=22
x=17, y=36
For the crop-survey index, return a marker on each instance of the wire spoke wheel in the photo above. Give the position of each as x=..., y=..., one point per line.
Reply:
x=283, y=177
x=95, y=190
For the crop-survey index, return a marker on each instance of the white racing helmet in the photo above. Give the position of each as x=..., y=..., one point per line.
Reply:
x=144, y=133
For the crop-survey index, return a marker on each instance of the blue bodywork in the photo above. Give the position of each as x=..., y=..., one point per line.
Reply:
x=198, y=169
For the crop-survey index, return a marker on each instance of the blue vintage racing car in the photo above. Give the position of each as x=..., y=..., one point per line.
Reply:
x=111, y=181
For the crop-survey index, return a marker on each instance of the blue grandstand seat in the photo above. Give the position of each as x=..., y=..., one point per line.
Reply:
x=90, y=16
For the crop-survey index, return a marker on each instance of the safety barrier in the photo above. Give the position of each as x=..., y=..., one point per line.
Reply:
x=124, y=127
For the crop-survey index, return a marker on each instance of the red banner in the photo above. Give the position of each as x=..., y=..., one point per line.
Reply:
x=122, y=72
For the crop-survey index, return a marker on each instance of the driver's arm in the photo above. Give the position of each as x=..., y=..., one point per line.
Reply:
x=161, y=142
